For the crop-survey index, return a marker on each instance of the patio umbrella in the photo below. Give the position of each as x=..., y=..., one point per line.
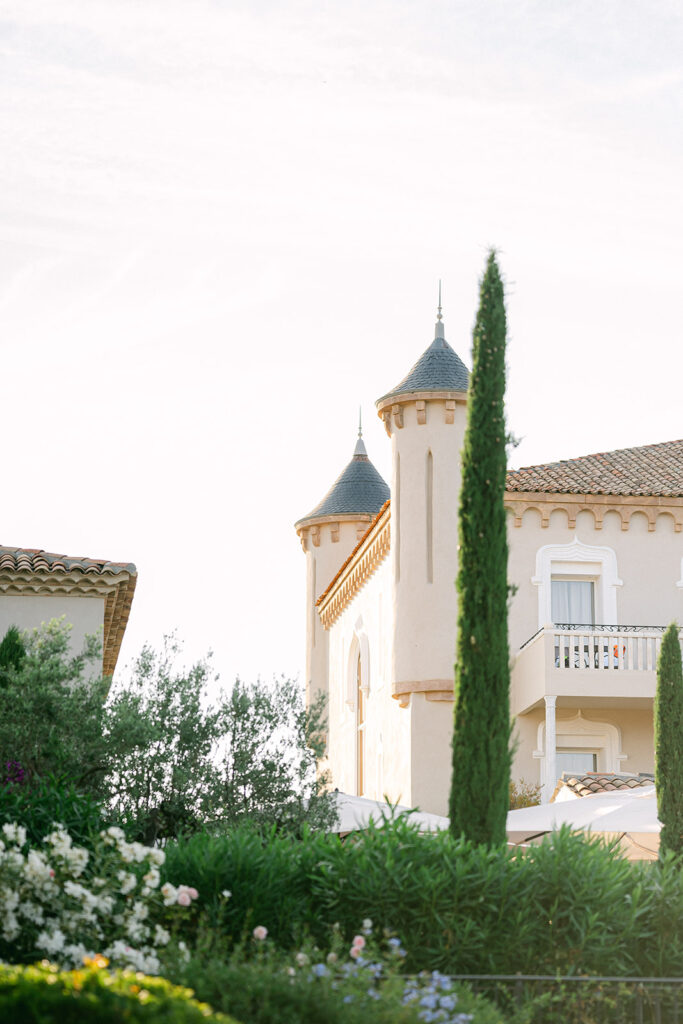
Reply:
x=630, y=816
x=355, y=813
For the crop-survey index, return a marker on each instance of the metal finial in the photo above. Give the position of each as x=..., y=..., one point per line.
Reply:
x=438, y=315
x=360, y=421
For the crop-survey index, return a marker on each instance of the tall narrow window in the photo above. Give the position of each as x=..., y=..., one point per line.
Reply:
x=396, y=520
x=429, y=509
x=573, y=602
x=360, y=729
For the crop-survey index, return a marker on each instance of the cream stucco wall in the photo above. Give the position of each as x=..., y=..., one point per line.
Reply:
x=365, y=627
x=424, y=595
x=648, y=566
x=84, y=614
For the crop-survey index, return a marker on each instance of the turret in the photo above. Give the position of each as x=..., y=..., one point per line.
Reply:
x=328, y=535
x=425, y=417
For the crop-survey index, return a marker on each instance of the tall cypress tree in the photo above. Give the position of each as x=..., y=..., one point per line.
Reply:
x=481, y=754
x=669, y=742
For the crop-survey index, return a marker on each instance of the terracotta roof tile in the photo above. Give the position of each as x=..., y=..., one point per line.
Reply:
x=654, y=469
x=597, y=782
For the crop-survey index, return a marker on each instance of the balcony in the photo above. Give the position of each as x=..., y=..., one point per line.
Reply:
x=600, y=664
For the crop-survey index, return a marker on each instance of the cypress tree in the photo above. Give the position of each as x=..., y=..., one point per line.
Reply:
x=12, y=653
x=669, y=742
x=481, y=755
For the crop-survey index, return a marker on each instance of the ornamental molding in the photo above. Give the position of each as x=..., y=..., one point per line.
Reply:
x=433, y=689
x=309, y=530
x=625, y=505
x=357, y=570
x=390, y=410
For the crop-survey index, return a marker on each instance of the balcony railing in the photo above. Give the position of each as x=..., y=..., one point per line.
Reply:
x=587, y=660
x=607, y=647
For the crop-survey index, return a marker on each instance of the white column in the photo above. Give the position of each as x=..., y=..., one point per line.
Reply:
x=550, y=749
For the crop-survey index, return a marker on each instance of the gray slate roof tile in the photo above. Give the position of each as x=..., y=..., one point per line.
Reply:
x=440, y=368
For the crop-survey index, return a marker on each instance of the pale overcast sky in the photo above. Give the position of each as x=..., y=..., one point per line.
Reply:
x=221, y=231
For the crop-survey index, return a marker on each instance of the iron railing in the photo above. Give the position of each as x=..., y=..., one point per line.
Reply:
x=571, y=999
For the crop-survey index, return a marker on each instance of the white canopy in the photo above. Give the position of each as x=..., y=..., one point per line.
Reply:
x=355, y=812
x=633, y=810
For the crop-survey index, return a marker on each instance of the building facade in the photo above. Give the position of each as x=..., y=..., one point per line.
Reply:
x=596, y=560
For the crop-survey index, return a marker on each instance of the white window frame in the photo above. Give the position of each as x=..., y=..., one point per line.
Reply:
x=576, y=560
x=579, y=733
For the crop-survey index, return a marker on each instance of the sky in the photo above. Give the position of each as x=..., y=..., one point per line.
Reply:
x=222, y=227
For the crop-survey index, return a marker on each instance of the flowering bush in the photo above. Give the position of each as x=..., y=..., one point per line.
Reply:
x=360, y=983
x=67, y=903
x=93, y=995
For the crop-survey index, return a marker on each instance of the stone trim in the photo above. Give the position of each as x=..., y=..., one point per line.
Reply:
x=391, y=409
x=116, y=589
x=359, y=566
x=519, y=502
x=309, y=529
x=433, y=689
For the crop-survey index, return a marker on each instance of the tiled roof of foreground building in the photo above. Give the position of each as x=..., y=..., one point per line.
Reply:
x=654, y=469
x=28, y=571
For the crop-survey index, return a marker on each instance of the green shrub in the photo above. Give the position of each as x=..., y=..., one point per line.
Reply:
x=36, y=805
x=45, y=995
x=571, y=904
x=262, y=985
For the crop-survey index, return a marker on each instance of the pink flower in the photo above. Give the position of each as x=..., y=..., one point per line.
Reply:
x=193, y=893
x=358, y=942
x=355, y=952
x=184, y=899
x=260, y=933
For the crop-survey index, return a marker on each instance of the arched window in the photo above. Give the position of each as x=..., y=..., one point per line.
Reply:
x=360, y=728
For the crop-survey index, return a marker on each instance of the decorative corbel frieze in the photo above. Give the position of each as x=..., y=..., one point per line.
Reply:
x=450, y=410
x=334, y=531
x=315, y=536
x=421, y=408
x=397, y=413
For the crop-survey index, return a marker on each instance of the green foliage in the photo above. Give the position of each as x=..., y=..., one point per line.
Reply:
x=262, y=985
x=524, y=794
x=36, y=805
x=669, y=742
x=165, y=753
x=570, y=905
x=52, y=710
x=45, y=995
x=197, y=761
x=12, y=654
x=481, y=756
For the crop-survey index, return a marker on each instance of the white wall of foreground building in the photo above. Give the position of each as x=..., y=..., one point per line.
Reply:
x=84, y=614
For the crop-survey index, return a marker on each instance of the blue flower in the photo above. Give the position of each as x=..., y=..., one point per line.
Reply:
x=320, y=970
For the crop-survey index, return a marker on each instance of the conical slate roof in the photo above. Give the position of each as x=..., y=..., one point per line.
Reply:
x=360, y=490
x=439, y=368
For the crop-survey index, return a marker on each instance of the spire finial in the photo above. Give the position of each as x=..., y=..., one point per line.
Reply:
x=360, y=420
x=438, y=332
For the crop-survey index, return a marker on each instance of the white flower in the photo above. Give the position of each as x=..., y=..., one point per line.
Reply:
x=301, y=959
x=170, y=894
x=128, y=882
x=152, y=878
x=161, y=936
x=140, y=911
x=156, y=857
x=15, y=833
x=367, y=926
x=226, y=894
x=9, y=897
x=52, y=942
x=32, y=912
x=260, y=933
x=10, y=927
x=113, y=835
x=105, y=905
x=37, y=869
x=77, y=859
